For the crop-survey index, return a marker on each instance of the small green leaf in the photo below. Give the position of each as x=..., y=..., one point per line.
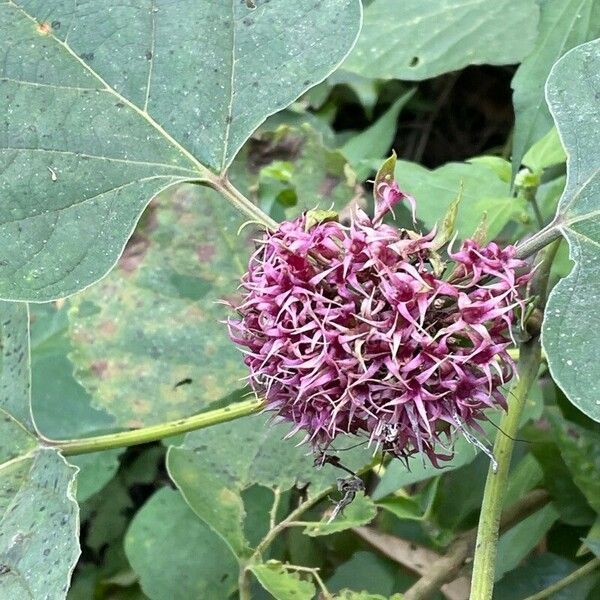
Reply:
x=281, y=583
x=412, y=508
x=592, y=539
x=360, y=511
x=499, y=165
x=175, y=555
x=368, y=571
x=545, y=152
x=572, y=317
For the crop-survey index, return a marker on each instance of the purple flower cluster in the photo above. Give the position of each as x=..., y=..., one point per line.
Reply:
x=352, y=330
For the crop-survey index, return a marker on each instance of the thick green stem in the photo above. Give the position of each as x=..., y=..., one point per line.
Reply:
x=157, y=432
x=566, y=581
x=484, y=565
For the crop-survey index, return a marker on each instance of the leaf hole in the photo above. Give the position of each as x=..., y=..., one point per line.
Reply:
x=414, y=62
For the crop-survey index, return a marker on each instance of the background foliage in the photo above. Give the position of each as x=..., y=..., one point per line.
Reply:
x=118, y=119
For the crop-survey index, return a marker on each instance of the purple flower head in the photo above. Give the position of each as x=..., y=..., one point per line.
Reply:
x=348, y=330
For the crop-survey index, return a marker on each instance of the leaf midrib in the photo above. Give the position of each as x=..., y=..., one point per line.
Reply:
x=200, y=168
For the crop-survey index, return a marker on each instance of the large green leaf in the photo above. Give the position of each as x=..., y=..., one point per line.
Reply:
x=520, y=540
x=106, y=105
x=213, y=466
x=148, y=344
x=39, y=518
x=482, y=191
x=563, y=25
x=418, y=39
x=573, y=313
x=176, y=556
x=39, y=523
x=580, y=449
x=539, y=573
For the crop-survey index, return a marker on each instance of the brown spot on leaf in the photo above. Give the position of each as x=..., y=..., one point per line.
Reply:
x=205, y=252
x=108, y=327
x=99, y=368
x=44, y=28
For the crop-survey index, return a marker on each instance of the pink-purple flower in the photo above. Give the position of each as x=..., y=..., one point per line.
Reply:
x=352, y=330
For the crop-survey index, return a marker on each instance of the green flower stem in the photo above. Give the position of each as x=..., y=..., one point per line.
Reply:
x=566, y=581
x=484, y=564
x=243, y=204
x=157, y=432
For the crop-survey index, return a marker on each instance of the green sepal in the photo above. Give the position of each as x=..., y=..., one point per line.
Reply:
x=316, y=216
x=385, y=173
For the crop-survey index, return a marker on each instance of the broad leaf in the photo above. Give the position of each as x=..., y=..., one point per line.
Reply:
x=563, y=25
x=573, y=313
x=520, y=540
x=580, y=449
x=176, y=556
x=483, y=192
x=558, y=480
x=375, y=141
x=105, y=106
x=214, y=465
x=39, y=518
x=39, y=526
x=539, y=573
x=368, y=571
x=418, y=39
x=281, y=583
x=186, y=258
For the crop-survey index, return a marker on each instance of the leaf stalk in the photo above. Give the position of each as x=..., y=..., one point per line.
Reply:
x=243, y=204
x=154, y=433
